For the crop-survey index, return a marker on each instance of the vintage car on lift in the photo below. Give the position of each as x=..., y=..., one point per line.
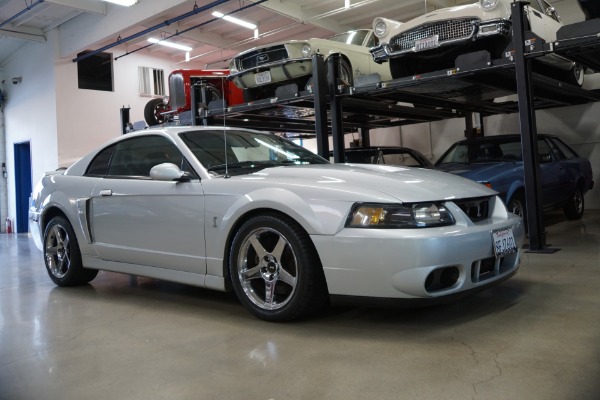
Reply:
x=221, y=208
x=434, y=40
x=262, y=69
x=497, y=162
x=181, y=83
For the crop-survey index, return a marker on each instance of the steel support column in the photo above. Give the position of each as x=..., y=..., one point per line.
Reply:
x=335, y=107
x=527, y=122
x=320, y=98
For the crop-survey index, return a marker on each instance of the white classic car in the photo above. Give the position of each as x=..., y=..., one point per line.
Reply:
x=261, y=69
x=233, y=208
x=433, y=41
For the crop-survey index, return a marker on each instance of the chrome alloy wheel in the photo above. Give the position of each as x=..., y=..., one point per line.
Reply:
x=58, y=251
x=267, y=269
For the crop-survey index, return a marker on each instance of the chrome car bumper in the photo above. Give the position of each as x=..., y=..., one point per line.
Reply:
x=280, y=71
x=404, y=42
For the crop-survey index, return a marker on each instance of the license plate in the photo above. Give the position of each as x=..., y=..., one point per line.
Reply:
x=504, y=242
x=263, y=77
x=427, y=43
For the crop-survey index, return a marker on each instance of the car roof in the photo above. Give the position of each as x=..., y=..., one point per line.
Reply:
x=500, y=138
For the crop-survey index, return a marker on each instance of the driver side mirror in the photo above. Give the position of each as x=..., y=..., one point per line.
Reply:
x=169, y=172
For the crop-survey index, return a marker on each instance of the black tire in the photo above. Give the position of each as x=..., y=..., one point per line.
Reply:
x=516, y=205
x=62, y=256
x=574, y=208
x=344, y=73
x=153, y=112
x=275, y=269
x=576, y=75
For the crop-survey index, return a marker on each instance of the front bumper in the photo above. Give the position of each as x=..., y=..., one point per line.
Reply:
x=481, y=30
x=281, y=71
x=396, y=264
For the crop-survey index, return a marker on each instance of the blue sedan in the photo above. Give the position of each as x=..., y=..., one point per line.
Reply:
x=497, y=162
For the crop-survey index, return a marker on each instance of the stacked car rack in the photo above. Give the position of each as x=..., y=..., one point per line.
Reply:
x=474, y=85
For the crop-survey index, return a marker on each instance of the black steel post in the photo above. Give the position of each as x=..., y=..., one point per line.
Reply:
x=527, y=122
x=365, y=135
x=320, y=99
x=469, y=134
x=124, y=119
x=193, y=102
x=335, y=106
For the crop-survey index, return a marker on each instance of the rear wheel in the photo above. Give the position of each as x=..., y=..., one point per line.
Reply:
x=62, y=255
x=275, y=269
x=574, y=208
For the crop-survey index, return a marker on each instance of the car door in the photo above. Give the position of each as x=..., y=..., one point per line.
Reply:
x=553, y=176
x=138, y=220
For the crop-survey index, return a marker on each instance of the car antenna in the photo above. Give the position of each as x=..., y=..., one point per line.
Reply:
x=224, y=126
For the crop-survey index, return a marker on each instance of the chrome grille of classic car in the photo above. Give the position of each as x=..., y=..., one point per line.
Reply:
x=476, y=209
x=446, y=30
x=256, y=58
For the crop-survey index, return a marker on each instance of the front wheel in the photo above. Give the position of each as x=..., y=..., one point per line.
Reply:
x=154, y=112
x=275, y=269
x=62, y=255
x=575, y=206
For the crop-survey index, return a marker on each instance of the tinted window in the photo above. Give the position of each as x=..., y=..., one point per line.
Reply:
x=99, y=165
x=544, y=151
x=135, y=157
x=561, y=150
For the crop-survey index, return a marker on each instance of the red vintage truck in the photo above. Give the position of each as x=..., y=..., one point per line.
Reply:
x=217, y=87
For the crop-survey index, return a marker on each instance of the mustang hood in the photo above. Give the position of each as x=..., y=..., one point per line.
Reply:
x=404, y=184
x=479, y=172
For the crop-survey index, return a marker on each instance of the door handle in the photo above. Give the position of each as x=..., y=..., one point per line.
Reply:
x=106, y=192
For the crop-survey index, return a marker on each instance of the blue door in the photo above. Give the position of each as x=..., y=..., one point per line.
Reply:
x=22, y=184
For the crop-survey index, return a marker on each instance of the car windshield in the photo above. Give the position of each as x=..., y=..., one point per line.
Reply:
x=376, y=156
x=482, y=152
x=242, y=152
x=352, y=37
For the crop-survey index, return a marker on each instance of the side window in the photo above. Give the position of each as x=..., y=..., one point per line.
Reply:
x=562, y=151
x=135, y=157
x=544, y=151
x=99, y=165
x=536, y=6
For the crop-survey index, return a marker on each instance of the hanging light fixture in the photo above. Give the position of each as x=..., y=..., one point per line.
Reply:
x=170, y=44
x=126, y=3
x=237, y=21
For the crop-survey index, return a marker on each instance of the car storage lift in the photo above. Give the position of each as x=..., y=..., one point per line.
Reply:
x=474, y=85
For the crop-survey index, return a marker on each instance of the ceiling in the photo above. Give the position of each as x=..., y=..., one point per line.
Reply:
x=95, y=24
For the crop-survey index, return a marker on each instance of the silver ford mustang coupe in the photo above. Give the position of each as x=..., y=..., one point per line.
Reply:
x=237, y=209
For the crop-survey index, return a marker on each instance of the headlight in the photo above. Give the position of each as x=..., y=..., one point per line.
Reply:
x=306, y=50
x=488, y=4
x=403, y=216
x=380, y=28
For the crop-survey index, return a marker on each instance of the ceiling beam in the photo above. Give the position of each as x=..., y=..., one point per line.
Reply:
x=295, y=12
x=90, y=6
x=33, y=34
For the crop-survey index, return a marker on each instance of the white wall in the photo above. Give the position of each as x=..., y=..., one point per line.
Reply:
x=30, y=112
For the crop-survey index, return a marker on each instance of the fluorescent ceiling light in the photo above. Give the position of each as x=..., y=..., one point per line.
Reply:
x=238, y=21
x=170, y=44
x=123, y=2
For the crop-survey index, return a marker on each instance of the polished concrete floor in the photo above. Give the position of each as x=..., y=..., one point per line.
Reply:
x=536, y=336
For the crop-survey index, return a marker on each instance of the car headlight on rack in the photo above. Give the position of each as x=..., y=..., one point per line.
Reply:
x=399, y=216
x=379, y=27
x=306, y=50
x=488, y=4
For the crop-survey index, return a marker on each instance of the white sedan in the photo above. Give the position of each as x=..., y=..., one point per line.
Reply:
x=434, y=40
x=232, y=208
x=262, y=69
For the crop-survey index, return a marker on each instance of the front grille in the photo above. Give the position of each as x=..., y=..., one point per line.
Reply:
x=476, y=209
x=262, y=56
x=446, y=30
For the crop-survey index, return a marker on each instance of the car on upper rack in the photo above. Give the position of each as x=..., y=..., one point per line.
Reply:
x=388, y=155
x=182, y=84
x=248, y=211
x=435, y=40
x=497, y=162
x=261, y=70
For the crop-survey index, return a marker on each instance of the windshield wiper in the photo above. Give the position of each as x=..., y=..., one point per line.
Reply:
x=242, y=164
